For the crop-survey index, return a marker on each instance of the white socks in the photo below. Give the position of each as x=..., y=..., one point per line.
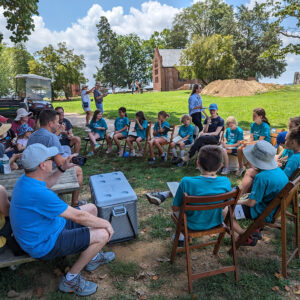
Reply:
x=181, y=153
x=174, y=152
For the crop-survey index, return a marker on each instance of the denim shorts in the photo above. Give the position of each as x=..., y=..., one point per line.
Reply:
x=73, y=238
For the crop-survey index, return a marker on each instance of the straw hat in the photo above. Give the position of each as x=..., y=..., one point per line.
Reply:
x=4, y=128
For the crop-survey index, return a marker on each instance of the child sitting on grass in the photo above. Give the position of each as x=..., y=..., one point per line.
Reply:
x=184, y=138
x=260, y=130
x=24, y=132
x=121, y=126
x=234, y=135
x=139, y=135
x=293, y=143
x=268, y=182
x=160, y=132
x=98, y=127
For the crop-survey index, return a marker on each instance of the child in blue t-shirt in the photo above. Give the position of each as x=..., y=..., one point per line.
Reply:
x=121, y=127
x=267, y=183
x=184, y=138
x=160, y=133
x=139, y=134
x=98, y=127
x=234, y=136
x=260, y=130
x=293, y=143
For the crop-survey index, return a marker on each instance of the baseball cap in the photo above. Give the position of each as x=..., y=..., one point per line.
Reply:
x=35, y=154
x=3, y=119
x=280, y=139
x=213, y=106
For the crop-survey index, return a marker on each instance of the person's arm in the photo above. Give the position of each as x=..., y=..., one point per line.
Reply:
x=139, y=124
x=216, y=133
x=4, y=203
x=247, y=202
x=20, y=147
x=86, y=219
x=205, y=129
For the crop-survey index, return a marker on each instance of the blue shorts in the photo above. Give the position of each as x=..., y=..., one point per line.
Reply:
x=73, y=238
x=187, y=142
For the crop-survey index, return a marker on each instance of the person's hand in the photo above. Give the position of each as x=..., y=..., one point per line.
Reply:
x=223, y=144
x=68, y=162
x=208, y=120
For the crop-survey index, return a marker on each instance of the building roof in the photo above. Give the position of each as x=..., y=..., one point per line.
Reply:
x=32, y=76
x=170, y=57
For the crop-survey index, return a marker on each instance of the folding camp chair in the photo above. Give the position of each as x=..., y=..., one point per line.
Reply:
x=202, y=203
x=287, y=196
x=100, y=141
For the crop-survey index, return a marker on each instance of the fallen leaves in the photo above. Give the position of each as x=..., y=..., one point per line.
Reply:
x=275, y=288
x=278, y=275
x=155, y=277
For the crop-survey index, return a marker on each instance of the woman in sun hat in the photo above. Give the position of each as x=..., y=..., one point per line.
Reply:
x=23, y=117
x=267, y=183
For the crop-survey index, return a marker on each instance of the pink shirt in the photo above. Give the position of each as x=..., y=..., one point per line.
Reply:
x=16, y=124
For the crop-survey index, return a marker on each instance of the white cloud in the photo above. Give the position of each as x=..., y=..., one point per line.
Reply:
x=82, y=35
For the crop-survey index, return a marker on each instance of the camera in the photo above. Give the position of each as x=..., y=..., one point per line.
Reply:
x=79, y=160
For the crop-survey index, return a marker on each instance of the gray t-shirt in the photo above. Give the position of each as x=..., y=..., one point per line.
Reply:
x=46, y=138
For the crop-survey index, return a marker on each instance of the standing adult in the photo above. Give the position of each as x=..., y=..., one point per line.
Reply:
x=195, y=106
x=86, y=103
x=23, y=117
x=99, y=97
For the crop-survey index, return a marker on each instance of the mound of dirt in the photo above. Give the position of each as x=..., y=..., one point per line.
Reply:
x=234, y=88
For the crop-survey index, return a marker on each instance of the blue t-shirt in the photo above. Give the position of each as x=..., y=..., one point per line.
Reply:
x=46, y=138
x=166, y=125
x=187, y=130
x=120, y=123
x=99, y=123
x=97, y=93
x=261, y=130
x=194, y=101
x=233, y=136
x=141, y=132
x=287, y=152
x=202, y=186
x=292, y=164
x=35, y=216
x=266, y=185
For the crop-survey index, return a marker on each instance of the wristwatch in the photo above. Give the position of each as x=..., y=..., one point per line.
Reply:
x=60, y=169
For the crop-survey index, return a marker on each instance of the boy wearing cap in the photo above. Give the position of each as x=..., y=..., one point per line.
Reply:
x=268, y=182
x=46, y=227
x=210, y=135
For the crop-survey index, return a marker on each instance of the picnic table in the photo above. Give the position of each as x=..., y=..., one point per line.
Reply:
x=67, y=183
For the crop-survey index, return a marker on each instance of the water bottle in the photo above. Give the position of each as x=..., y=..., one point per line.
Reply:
x=5, y=166
x=273, y=130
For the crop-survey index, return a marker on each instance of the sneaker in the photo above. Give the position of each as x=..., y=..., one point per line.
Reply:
x=96, y=146
x=90, y=154
x=257, y=233
x=180, y=163
x=180, y=242
x=139, y=154
x=186, y=158
x=102, y=259
x=133, y=152
x=225, y=171
x=251, y=241
x=78, y=285
x=164, y=157
x=151, y=161
x=155, y=198
x=174, y=160
x=120, y=153
x=109, y=150
x=240, y=171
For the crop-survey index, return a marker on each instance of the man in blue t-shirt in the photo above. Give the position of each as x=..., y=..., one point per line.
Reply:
x=46, y=227
x=267, y=183
x=99, y=97
x=49, y=124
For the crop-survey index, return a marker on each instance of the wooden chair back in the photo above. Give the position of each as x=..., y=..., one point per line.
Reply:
x=172, y=130
x=148, y=137
x=202, y=203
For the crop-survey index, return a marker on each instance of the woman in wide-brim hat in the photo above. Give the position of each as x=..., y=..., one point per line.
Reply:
x=6, y=138
x=23, y=117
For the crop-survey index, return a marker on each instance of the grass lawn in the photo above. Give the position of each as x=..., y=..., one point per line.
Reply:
x=141, y=270
x=280, y=105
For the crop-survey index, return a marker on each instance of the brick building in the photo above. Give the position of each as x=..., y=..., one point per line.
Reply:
x=165, y=75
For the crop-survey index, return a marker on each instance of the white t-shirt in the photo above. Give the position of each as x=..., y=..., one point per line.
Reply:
x=84, y=96
x=23, y=142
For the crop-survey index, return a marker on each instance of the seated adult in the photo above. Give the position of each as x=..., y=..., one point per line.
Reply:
x=46, y=227
x=23, y=117
x=267, y=183
x=45, y=135
x=65, y=133
x=7, y=137
x=210, y=135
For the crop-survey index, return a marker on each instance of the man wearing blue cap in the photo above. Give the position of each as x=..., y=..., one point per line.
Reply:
x=46, y=227
x=210, y=135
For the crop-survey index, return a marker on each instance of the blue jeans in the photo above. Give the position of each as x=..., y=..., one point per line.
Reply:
x=100, y=106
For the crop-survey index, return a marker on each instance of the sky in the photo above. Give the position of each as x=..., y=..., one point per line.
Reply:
x=74, y=22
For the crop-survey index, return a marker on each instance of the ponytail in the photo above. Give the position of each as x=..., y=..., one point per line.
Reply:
x=195, y=88
x=261, y=112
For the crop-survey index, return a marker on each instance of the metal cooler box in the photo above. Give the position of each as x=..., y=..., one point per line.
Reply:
x=116, y=202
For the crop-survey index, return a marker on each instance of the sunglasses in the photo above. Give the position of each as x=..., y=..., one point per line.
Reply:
x=50, y=158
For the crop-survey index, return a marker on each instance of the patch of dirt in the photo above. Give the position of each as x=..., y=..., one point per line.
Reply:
x=234, y=88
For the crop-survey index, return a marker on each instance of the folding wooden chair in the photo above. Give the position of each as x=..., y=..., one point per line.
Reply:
x=124, y=138
x=274, y=136
x=172, y=131
x=101, y=142
x=287, y=196
x=193, y=203
x=148, y=137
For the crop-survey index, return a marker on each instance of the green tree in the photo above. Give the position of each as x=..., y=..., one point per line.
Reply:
x=62, y=65
x=206, y=18
x=208, y=58
x=137, y=67
x=18, y=14
x=255, y=34
x=112, y=56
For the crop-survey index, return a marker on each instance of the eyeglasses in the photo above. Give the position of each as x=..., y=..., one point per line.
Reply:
x=50, y=158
